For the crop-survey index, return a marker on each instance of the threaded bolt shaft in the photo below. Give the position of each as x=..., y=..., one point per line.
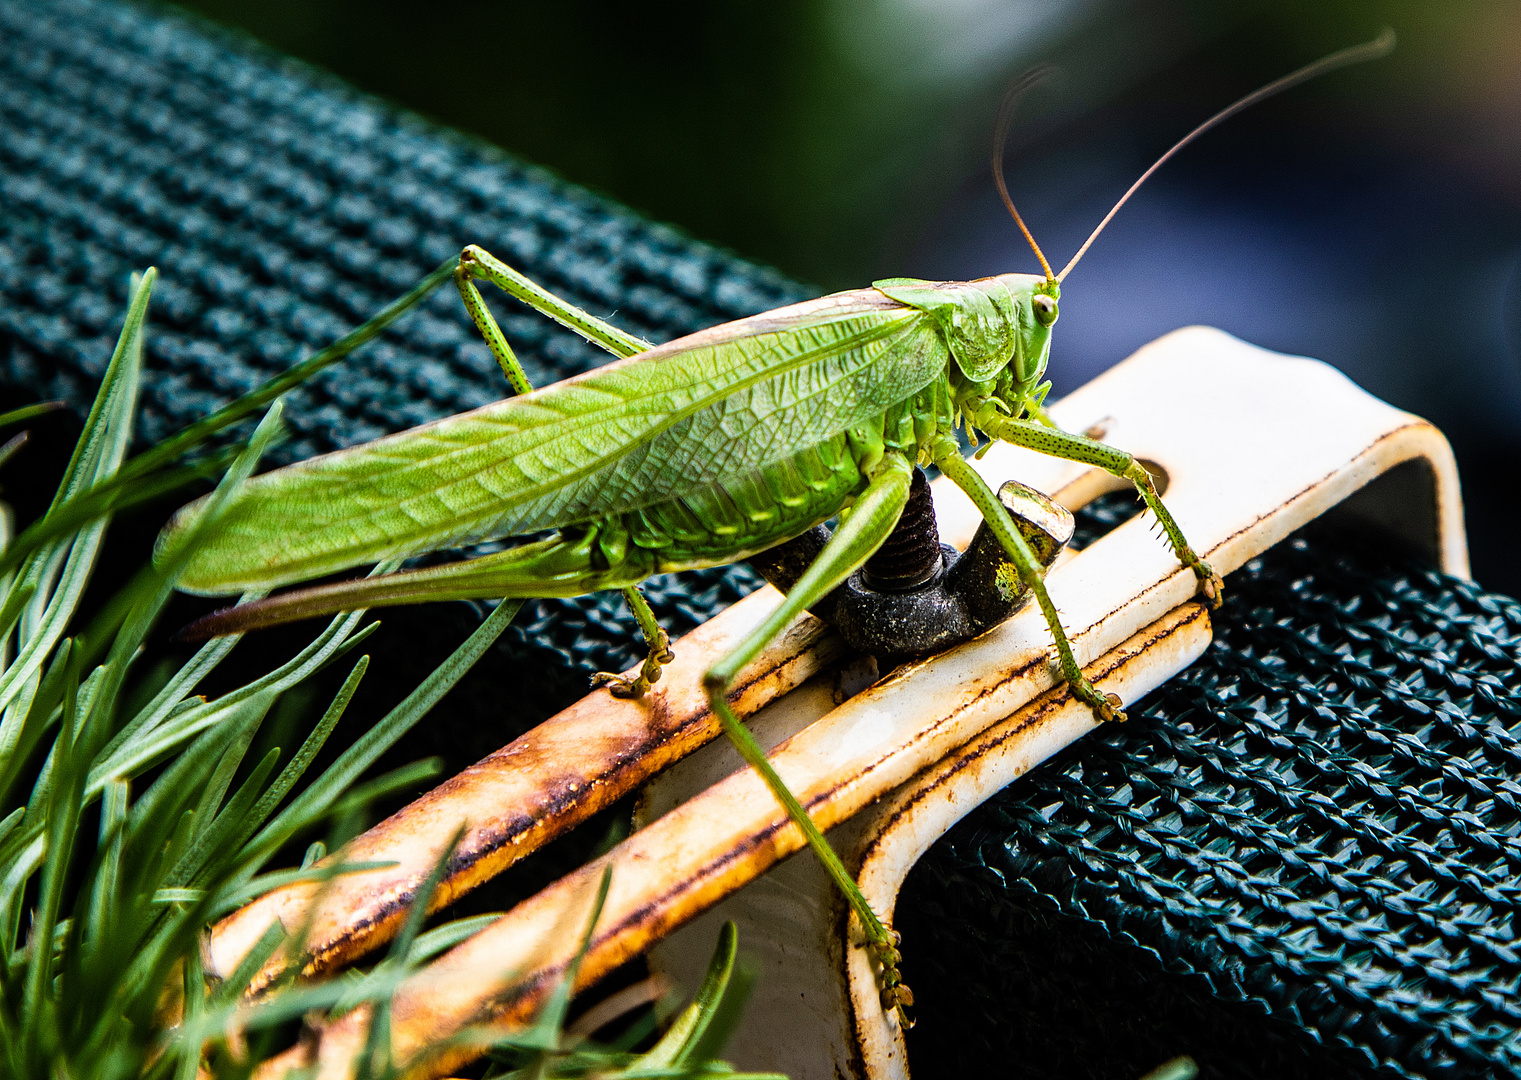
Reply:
x=911, y=555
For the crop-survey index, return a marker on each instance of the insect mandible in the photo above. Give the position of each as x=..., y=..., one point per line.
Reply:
x=695, y=453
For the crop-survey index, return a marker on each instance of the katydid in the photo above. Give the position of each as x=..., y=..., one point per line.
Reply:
x=698, y=452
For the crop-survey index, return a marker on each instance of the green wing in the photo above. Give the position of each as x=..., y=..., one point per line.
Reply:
x=632, y=434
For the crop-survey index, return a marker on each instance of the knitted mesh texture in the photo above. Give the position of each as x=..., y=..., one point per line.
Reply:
x=282, y=209
x=1297, y=857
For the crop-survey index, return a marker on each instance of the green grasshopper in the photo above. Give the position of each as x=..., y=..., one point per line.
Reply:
x=695, y=453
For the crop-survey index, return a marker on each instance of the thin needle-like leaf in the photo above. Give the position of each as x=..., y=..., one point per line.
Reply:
x=363, y=753
x=29, y=412
x=297, y=766
x=675, y=1048
x=106, y=493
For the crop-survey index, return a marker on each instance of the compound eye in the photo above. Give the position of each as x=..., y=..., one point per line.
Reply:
x=1045, y=309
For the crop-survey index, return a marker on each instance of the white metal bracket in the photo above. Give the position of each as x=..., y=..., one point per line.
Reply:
x=1252, y=444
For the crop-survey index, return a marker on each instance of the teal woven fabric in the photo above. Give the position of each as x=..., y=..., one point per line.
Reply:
x=282, y=209
x=1297, y=859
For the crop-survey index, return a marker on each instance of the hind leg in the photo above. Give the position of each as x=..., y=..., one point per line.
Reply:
x=870, y=522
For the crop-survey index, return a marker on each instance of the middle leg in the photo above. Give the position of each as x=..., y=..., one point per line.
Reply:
x=477, y=263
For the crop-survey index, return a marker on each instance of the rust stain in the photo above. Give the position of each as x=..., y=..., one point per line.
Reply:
x=627, y=757
x=363, y=911
x=1037, y=712
x=515, y=1004
x=662, y=910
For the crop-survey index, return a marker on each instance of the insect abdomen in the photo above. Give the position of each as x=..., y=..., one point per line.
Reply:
x=738, y=516
x=742, y=515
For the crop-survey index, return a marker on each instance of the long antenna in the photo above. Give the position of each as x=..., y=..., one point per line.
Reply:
x=1011, y=100
x=1372, y=50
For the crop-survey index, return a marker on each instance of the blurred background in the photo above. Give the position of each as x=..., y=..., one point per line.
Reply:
x=1371, y=219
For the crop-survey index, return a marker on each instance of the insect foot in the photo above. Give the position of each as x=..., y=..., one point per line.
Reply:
x=894, y=993
x=620, y=686
x=1107, y=708
x=1211, y=584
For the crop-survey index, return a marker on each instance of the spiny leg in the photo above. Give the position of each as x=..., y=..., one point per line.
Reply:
x=870, y=522
x=481, y=315
x=1070, y=447
x=660, y=653
x=949, y=460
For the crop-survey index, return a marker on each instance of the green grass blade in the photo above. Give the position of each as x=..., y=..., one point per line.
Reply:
x=103, y=892
x=30, y=848
x=97, y=455
x=297, y=766
x=233, y=986
x=62, y=599
x=401, y=946
x=221, y=779
x=35, y=806
x=149, y=748
x=103, y=437
x=400, y=779
x=16, y=601
x=1179, y=1068
x=107, y=491
x=376, y=1057
x=29, y=412
x=22, y=737
x=212, y=842
x=723, y=1018
x=64, y=816
x=674, y=1050
x=353, y=762
x=152, y=587
x=10, y=821
x=233, y=898
x=250, y=403
x=548, y=1025
x=113, y=495
x=441, y=939
x=172, y=697
x=194, y=996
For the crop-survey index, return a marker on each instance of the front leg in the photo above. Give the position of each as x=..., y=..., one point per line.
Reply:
x=1069, y=447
